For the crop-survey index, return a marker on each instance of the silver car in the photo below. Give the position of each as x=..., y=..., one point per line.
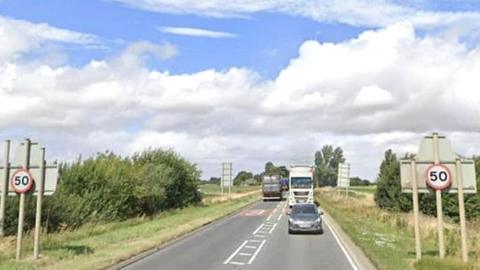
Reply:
x=305, y=218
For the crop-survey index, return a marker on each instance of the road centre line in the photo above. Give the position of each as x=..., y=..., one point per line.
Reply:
x=280, y=217
x=235, y=253
x=256, y=252
x=273, y=228
x=258, y=229
x=267, y=227
x=342, y=247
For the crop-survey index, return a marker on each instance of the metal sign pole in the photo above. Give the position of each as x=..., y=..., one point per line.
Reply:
x=6, y=157
x=230, y=176
x=21, y=212
x=38, y=214
x=418, y=249
x=461, y=209
x=438, y=195
x=222, y=178
x=347, y=179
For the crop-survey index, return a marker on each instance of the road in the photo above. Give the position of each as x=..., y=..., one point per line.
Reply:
x=254, y=239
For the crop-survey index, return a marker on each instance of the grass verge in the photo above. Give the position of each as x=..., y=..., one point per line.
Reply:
x=97, y=246
x=210, y=189
x=387, y=238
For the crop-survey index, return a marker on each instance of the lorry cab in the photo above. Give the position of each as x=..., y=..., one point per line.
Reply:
x=300, y=184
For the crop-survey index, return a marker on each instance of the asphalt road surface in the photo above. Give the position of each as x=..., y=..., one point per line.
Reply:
x=256, y=238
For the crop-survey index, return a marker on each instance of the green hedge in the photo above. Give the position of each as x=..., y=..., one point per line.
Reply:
x=110, y=187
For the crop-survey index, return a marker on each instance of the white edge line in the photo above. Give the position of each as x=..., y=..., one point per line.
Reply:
x=269, y=217
x=261, y=212
x=342, y=247
x=273, y=228
x=256, y=252
x=280, y=217
x=258, y=229
x=235, y=253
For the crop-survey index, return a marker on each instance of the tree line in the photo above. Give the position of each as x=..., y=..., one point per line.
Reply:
x=326, y=161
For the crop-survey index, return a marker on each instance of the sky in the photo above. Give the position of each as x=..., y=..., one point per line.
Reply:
x=242, y=81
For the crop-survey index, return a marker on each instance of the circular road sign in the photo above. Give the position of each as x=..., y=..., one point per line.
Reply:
x=439, y=177
x=21, y=181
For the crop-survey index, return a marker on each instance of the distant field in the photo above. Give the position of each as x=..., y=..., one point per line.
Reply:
x=364, y=189
x=211, y=189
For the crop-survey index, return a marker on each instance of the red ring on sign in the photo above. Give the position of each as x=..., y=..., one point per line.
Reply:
x=446, y=184
x=27, y=187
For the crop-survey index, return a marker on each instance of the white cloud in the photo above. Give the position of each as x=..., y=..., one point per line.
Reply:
x=196, y=32
x=355, y=12
x=428, y=83
x=372, y=95
x=19, y=36
x=137, y=51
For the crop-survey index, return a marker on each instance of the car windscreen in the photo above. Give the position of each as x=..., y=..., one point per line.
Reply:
x=304, y=209
x=301, y=182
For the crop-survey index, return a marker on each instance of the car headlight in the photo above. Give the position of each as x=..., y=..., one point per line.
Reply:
x=318, y=220
x=290, y=220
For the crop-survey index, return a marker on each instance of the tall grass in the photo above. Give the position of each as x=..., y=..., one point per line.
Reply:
x=387, y=236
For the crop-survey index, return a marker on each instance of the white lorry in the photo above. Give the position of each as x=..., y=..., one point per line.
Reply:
x=300, y=184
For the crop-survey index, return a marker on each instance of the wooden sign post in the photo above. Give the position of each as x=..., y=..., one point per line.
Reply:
x=28, y=174
x=418, y=246
x=438, y=197
x=461, y=210
x=436, y=169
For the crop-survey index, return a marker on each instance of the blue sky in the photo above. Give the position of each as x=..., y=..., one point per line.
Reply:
x=264, y=42
x=253, y=81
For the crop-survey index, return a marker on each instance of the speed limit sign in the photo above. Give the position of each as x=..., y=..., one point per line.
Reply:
x=22, y=181
x=439, y=177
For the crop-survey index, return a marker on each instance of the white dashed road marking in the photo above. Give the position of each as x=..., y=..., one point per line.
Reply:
x=243, y=254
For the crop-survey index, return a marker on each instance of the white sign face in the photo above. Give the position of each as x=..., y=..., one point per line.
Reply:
x=35, y=155
x=434, y=177
x=467, y=173
x=438, y=177
x=51, y=179
x=21, y=181
x=343, y=179
x=227, y=173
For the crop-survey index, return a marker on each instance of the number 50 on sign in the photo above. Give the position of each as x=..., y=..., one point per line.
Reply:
x=22, y=181
x=439, y=177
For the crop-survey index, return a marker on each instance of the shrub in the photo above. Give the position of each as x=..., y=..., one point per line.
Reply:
x=389, y=192
x=110, y=187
